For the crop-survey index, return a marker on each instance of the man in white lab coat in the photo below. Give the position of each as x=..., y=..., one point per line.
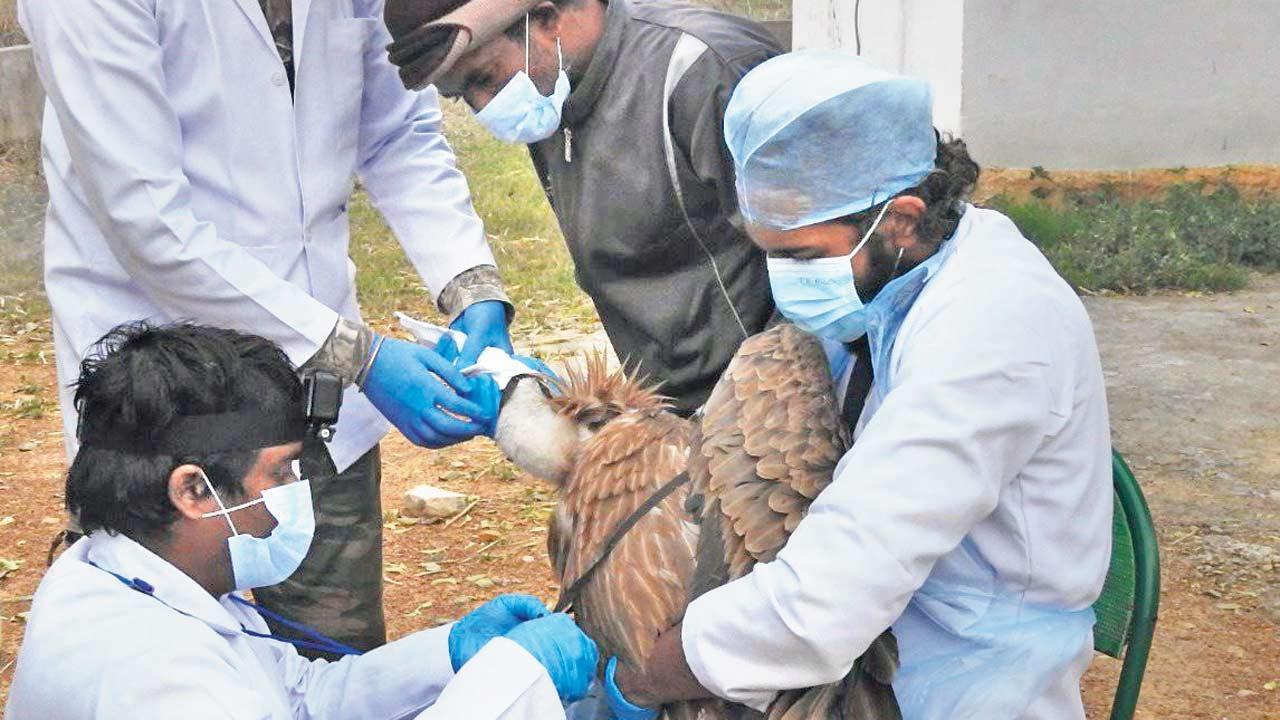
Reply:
x=973, y=513
x=200, y=157
x=185, y=483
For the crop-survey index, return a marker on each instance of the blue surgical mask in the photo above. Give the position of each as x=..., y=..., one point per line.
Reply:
x=820, y=295
x=520, y=112
x=261, y=562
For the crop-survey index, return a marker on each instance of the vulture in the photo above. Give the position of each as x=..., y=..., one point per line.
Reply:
x=654, y=510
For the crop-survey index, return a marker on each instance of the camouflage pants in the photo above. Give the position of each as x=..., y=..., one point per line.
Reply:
x=338, y=589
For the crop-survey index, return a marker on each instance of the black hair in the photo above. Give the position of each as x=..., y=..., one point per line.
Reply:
x=140, y=377
x=944, y=192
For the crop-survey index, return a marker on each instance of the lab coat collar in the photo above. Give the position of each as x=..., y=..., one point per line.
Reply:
x=171, y=586
x=578, y=107
x=301, y=11
x=253, y=13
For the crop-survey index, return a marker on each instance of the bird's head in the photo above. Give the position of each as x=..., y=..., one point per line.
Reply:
x=543, y=422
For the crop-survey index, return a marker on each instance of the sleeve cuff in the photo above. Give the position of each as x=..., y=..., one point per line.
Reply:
x=469, y=287
x=703, y=652
x=344, y=352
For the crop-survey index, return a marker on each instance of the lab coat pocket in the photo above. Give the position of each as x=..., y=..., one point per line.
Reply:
x=283, y=259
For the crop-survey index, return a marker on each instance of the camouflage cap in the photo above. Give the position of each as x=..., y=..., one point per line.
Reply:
x=428, y=36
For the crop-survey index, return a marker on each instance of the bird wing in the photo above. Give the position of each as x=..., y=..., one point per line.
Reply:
x=642, y=587
x=769, y=439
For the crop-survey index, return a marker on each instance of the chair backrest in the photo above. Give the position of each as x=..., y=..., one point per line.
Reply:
x=1130, y=597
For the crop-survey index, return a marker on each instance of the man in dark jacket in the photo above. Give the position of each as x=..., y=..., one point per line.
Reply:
x=622, y=105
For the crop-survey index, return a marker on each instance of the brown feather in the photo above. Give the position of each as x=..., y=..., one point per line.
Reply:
x=769, y=441
x=764, y=446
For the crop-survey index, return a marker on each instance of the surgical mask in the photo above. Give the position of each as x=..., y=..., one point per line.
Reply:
x=820, y=296
x=261, y=562
x=520, y=112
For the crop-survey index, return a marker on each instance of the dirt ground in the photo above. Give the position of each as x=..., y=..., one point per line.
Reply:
x=1053, y=185
x=1195, y=392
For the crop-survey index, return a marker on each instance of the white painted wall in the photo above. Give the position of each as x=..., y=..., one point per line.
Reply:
x=923, y=38
x=1081, y=84
x=21, y=97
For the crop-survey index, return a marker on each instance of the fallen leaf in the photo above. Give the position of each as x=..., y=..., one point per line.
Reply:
x=7, y=566
x=6, y=520
x=488, y=536
x=418, y=610
x=1271, y=685
x=28, y=446
x=430, y=568
x=1228, y=606
x=394, y=567
x=1249, y=310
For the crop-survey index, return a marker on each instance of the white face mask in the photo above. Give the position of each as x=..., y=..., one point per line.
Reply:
x=520, y=112
x=820, y=295
x=262, y=562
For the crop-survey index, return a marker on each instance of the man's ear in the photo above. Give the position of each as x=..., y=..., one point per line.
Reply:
x=903, y=219
x=546, y=15
x=188, y=491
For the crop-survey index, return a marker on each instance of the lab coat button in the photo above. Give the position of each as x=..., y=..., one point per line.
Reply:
x=278, y=79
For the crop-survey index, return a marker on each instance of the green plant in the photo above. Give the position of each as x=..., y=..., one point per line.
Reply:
x=1190, y=238
x=522, y=232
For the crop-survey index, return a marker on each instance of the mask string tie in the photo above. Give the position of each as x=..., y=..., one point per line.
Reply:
x=224, y=511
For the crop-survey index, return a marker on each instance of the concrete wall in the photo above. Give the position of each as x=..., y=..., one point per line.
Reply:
x=1083, y=84
x=21, y=98
x=912, y=37
x=1115, y=84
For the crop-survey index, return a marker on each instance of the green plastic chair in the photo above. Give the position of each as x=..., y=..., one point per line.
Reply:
x=1126, y=609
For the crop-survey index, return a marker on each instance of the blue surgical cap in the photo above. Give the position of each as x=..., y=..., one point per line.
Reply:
x=820, y=134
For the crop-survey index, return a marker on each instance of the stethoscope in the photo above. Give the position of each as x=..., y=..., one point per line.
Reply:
x=315, y=640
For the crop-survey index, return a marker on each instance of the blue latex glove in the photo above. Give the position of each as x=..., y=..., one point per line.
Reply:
x=622, y=708
x=484, y=391
x=493, y=619
x=537, y=366
x=401, y=385
x=566, y=652
x=485, y=324
x=486, y=394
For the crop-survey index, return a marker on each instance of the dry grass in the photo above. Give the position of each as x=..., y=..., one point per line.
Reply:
x=758, y=9
x=10, y=33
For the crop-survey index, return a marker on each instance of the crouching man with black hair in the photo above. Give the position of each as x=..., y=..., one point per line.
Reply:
x=187, y=487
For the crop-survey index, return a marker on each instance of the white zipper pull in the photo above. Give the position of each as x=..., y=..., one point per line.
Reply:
x=568, y=145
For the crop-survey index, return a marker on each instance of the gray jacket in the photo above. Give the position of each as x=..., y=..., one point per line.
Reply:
x=676, y=299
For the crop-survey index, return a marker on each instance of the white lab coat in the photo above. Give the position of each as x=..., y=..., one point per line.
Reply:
x=994, y=431
x=96, y=649
x=186, y=183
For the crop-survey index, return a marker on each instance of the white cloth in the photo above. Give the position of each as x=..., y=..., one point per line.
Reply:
x=493, y=362
x=186, y=183
x=96, y=649
x=994, y=431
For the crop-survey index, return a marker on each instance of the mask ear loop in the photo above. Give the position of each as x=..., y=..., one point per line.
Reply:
x=526, y=43
x=223, y=511
x=872, y=230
